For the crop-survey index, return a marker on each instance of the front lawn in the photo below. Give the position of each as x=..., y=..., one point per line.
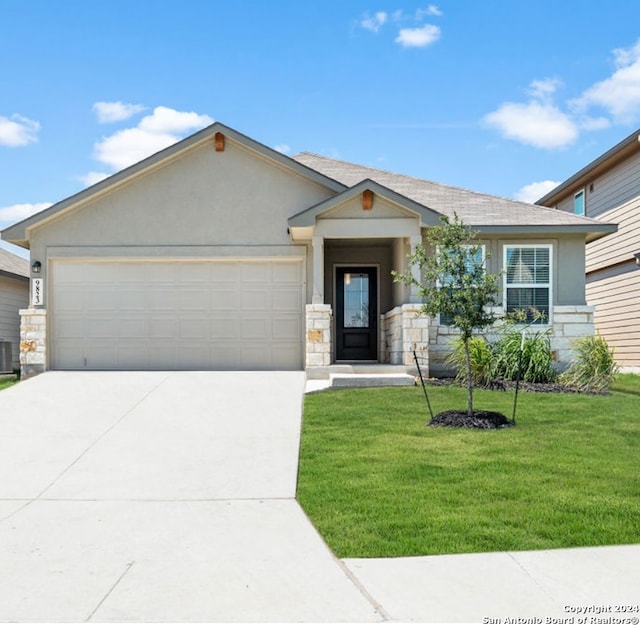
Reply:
x=377, y=482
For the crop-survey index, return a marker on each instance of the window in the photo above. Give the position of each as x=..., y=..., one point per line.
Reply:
x=473, y=260
x=527, y=282
x=578, y=203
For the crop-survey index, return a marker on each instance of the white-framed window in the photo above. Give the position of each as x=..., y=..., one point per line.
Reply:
x=527, y=281
x=476, y=255
x=579, y=203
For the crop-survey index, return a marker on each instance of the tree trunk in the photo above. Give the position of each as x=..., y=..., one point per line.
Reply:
x=469, y=379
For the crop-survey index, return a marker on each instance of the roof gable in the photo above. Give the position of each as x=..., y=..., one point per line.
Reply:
x=19, y=233
x=402, y=206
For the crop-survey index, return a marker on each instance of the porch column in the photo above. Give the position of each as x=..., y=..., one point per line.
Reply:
x=414, y=296
x=318, y=270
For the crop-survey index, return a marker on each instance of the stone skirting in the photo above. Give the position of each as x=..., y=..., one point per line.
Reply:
x=568, y=324
x=33, y=342
x=405, y=330
x=318, y=336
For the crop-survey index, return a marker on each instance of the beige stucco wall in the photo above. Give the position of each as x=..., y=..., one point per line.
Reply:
x=201, y=199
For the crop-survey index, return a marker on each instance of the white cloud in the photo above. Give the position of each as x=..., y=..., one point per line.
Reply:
x=619, y=94
x=534, y=191
x=116, y=111
x=544, y=89
x=18, y=212
x=374, y=23
x=432, y=9
x=155, y=132
x=535, y=123
x=418, y=37
x=18, y=131
x=283, y=147
x=91, y=178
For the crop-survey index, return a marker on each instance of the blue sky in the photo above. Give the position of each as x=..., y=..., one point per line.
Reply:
x=505, y=97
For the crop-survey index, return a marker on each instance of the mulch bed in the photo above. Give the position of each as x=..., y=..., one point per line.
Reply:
x=508, y=385
x=479, y=419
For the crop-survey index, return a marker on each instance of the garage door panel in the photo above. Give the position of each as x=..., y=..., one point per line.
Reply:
x=100, y=327
x=256, y=299
x=129, y=299
x=224, y=300
x=177, y=315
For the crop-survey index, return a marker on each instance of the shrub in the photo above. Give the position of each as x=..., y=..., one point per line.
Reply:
x=482, y=361
x=537, y=359
x=593, y=368
x=499, y=360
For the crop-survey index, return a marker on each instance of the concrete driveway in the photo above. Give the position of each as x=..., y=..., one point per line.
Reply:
x=161, y=497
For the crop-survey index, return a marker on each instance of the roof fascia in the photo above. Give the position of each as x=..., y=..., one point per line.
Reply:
x=18, y=233
x=308, y=216
x=604, y=162
x=591, y=231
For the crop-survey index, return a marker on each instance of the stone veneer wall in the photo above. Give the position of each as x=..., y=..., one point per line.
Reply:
x=33, y=342
x=569, y=323
x=404, y=331
x=318, y=335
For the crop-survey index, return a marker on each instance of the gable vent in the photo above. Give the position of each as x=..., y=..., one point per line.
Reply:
x=367, y=200
x=219, y=142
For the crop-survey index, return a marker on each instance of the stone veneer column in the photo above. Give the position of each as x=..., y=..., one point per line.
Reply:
x=318, y=335
x=33, y=342
x=415, y=336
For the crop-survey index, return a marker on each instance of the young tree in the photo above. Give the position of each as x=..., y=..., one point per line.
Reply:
x=454, y=283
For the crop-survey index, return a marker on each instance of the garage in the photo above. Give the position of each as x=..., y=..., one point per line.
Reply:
x=176, y=314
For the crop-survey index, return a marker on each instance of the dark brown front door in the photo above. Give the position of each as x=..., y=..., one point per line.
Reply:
x=356, y=314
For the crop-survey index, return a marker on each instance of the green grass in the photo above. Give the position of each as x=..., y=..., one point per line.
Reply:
x=7, y=383
x=377, y=482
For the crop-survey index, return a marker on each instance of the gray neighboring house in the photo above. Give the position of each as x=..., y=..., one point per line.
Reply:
x=221, y=253
x=608, y=189
x=14, y=295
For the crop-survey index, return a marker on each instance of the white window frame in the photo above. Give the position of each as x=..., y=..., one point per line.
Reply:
x=484, y=265
x=549, y=285
x=582, y=193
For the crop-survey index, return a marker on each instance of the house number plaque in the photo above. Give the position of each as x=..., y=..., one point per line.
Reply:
x=37, y=291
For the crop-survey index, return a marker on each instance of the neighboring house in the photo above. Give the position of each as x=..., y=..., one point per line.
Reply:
x=608, y=189
x=14, y=295
x=221, y=253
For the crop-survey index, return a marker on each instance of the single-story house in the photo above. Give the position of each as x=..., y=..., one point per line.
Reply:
x=608, y=189
x=14, y=295
x=221, y=253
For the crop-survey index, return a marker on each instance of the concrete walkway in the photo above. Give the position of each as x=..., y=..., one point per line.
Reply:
x=170, y=497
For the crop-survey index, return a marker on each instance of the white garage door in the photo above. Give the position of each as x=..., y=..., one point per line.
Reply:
x=177, y=315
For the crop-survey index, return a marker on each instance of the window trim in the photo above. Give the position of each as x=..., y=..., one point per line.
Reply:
x=581, y=193
x=505, y=285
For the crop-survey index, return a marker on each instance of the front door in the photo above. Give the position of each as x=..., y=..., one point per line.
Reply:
x=356, y=314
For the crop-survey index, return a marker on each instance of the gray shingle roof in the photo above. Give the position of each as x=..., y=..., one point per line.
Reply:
x=475, y=209
x=13, y=264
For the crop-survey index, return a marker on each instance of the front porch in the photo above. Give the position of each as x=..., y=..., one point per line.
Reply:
x=401, y=331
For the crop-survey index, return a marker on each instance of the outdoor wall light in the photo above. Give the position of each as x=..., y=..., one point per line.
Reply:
x=637, y=254
x=36, y=267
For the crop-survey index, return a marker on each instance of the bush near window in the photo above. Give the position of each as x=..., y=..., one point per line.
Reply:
x=594, y=367
x=499, y=360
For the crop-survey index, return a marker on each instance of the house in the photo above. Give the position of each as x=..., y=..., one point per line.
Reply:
x=219, y=252
x=608, y=189
x=14, y=295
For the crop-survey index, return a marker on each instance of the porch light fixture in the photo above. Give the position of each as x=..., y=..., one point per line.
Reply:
x=36, y=267
x=637, y=257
